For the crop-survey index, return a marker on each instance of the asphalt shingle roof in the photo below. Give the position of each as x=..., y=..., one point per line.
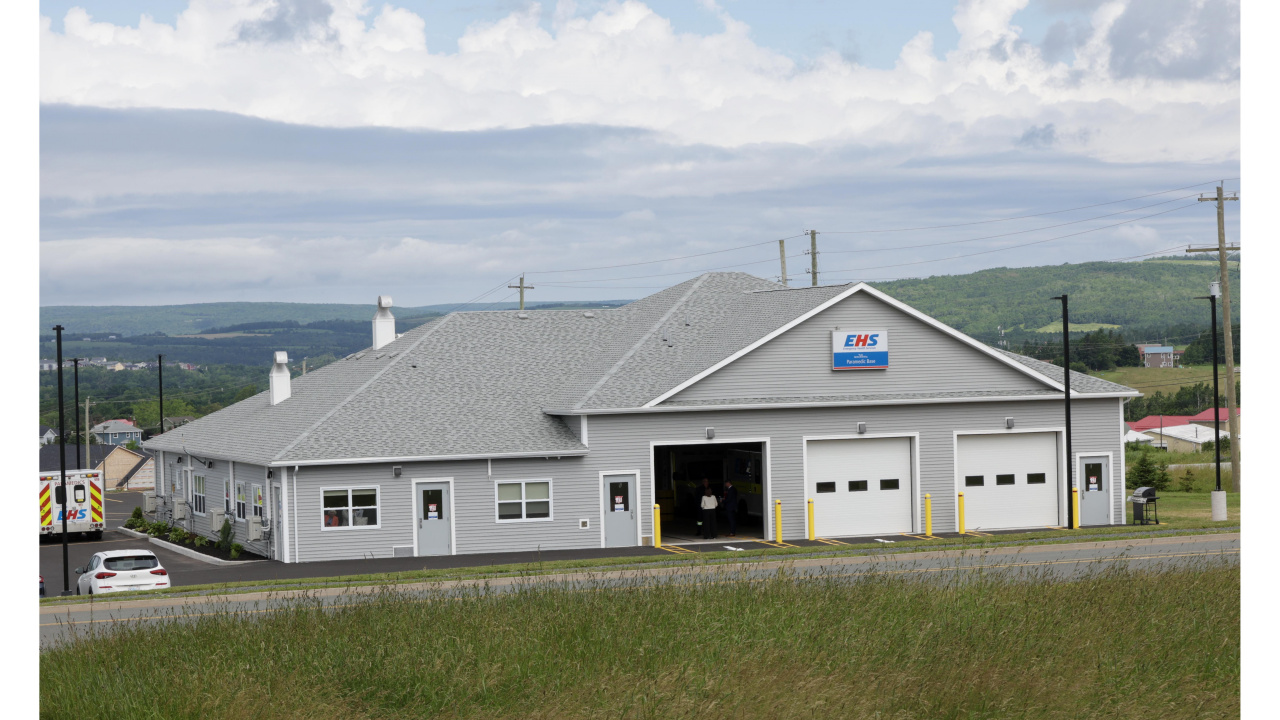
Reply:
x=491, y=383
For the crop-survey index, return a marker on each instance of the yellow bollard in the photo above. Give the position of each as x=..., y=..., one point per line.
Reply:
x=961, y=513
x=928, y=514
x=812, y=532
x=777, y=521
x=1075, y=508
x=657, y=525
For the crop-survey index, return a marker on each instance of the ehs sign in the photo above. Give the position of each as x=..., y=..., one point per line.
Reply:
x=859, y=349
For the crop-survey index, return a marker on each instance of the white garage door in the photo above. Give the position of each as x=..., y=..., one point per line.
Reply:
x=1009, y=481
x=860, y=487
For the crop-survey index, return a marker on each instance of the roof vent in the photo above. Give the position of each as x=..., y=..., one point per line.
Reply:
x=588, y=314
x=384, y=323
x=280, y=390
x=522, y=315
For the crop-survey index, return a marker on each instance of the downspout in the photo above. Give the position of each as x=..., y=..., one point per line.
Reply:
x=296, y=548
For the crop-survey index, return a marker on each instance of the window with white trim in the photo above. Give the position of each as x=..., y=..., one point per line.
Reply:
x=522, y=500
x=197, y=494
x=349, y=507
x=240, y=501
x=257, y=501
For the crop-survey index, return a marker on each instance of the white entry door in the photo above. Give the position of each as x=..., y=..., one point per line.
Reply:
x=1009, y=481
x=859, y=487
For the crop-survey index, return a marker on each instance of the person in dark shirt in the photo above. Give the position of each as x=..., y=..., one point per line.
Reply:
x=729, y=501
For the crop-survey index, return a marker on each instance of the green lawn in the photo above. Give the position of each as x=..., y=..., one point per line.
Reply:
x=972, y=646
x=1056, y=327
x=1191, y=510
x=1165, y=380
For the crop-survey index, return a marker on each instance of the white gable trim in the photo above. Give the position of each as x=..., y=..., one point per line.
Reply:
x=861, y=287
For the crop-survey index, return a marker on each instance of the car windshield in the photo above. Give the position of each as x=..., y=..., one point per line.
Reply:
x=132, y=562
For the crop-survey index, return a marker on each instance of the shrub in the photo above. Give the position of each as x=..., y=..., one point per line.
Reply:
x=1143, y=472
x=1161, y=480
x=200, y=541
x=158, y=529
x=236, y=549
x=134, y=523
x=137, y=514
x=224, y=535
x=1187, y=482
x=178, y=536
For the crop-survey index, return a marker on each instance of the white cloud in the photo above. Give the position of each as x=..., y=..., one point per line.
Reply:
x=343, y=64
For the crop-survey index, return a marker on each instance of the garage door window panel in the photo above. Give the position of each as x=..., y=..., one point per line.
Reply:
x=857, y=486
x=889, y=484
x=1035, y=478
x=826, y=487
x=1004, y=479
x=974, y=481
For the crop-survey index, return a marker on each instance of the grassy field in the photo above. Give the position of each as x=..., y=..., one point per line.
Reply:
x=1056, y=327
x=1165, y=380
x=1183, y=510
x=966, y=646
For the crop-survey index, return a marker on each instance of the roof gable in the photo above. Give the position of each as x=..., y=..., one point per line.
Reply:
x=794, y=360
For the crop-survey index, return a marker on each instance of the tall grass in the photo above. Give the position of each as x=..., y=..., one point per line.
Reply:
x=1112, y=643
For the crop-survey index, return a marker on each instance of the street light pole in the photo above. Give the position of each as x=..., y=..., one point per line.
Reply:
x=76, y=413
x=62, y=468
x=1066, y=394
x=1217, y=498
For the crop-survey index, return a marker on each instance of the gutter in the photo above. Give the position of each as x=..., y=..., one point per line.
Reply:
x=430, y=458
x=840, y=403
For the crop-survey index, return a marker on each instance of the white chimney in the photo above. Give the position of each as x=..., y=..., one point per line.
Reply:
x=280, y=390
x=384, y=323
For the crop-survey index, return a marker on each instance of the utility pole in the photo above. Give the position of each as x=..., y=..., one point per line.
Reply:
x=1066, y=394
x=782, y=255
x=62, y=468
x=1233, y=418
x=522, y=288
x=813, y=256
x=76, y=414
x=87, y=458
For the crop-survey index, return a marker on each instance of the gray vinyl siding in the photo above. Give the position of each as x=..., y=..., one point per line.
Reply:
x=623, y=441
x=798, y=362
x=216, y=480
x=575, y=496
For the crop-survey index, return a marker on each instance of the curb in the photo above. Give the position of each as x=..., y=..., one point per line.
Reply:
x=197, y=555
x=131, y=533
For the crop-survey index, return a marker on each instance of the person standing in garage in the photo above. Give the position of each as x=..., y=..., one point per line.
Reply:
x=730, y=502
x=708, y=514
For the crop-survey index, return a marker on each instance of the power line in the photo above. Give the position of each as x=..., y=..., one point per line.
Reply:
x=1014, y=247
x=1008, y=234
x=681, y=257
x=1018, y=217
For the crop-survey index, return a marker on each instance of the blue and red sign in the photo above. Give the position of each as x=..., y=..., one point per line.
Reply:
x=859, y=349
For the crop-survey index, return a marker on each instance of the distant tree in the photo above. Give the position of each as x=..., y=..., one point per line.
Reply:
x=1160, y=481
x=245, y=393
x=132, y=445
x=1143, y=472
x=1187, y=482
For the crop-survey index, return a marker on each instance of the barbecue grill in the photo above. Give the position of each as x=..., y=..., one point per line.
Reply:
x=1144, y=506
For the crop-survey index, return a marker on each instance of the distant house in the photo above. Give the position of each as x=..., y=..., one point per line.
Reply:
x=98, y=361
x=1205, y=418
x=46, y=364
x=117, y=366
x=173, y=421
x=1183, y=438
x=48, y=435
x=1158, y=421
x=117, y=432
x=1159, y=356
x=1138, y=437
x=120, y=466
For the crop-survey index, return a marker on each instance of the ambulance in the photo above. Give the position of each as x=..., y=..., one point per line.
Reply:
x=82, y=505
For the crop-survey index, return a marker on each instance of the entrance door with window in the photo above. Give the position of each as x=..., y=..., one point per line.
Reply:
x=1094, y=482
x=619, y=510
x=435, y=536
x=277, y=516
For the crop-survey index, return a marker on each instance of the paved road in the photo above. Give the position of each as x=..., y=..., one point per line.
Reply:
x=57, y=623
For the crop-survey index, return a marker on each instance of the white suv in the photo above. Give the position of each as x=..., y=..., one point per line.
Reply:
x=121, y=571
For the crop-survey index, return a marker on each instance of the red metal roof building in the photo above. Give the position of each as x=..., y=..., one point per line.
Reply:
x=1157, y=421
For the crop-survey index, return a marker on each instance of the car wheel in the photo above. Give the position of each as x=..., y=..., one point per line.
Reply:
x=77, y=589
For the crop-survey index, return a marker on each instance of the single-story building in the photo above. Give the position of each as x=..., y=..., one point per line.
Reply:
x=554, y=429
x=1138, y=437
x=48, y=435
x=1206, y=418
x=1184, y=438
x=1154, y=422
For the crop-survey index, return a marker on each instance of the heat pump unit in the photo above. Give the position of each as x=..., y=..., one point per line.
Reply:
x=180, y=510
x=216, y=517
x=149, y=502
x=254, y=526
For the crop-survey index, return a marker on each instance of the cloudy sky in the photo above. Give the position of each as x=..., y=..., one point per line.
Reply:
x=332, y=150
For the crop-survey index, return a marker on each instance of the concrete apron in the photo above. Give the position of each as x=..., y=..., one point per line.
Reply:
x=170, y=602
